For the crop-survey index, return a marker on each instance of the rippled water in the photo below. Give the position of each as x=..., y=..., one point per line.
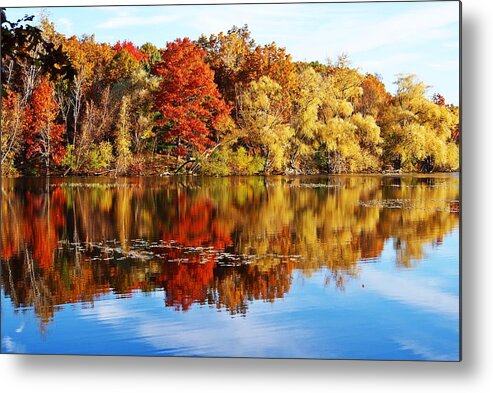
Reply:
x=338, y=267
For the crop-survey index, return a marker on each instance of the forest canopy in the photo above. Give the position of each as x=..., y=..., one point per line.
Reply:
x=217, y=105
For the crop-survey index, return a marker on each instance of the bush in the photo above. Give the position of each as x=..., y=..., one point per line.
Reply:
x=100, y=156
x=225, y=162
x=217, y=163
x=69, y=160
x=243, y=164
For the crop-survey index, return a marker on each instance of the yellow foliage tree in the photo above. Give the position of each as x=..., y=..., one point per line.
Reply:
x=261, y=114
x=349, y=141
x=417, y=131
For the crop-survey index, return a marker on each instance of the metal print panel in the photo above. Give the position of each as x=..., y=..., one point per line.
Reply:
x=256, y=180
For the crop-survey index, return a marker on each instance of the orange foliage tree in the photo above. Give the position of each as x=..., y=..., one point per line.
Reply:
x=188, y=101
x=375, y=98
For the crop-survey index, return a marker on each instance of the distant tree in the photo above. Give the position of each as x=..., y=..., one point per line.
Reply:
x=131, y=49
x=438, y=99
x=455, y=111
x=274, y=62
x=152, y=55
x=139, y=89
x=91, y=61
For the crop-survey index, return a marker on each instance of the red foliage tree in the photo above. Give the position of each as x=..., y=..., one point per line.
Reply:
x=43, y=135
x=131, y=49
x=188, y=99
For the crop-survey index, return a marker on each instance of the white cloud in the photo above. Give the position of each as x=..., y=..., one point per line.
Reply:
x=422, y=25
x=190, y=333
x=20, y=328
x=412, y=292
x=11, y=346
x=424, y=351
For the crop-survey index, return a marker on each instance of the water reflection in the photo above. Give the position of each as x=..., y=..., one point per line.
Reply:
x=218, y=242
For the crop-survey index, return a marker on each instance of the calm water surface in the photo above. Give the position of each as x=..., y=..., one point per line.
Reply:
x=322, y=267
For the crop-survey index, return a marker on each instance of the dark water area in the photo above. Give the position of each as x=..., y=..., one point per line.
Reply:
x=337, y=267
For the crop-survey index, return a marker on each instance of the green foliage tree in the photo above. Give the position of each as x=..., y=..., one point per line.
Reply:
x=152, y=55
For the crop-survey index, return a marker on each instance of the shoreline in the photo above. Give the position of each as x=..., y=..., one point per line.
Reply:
x=360, y=174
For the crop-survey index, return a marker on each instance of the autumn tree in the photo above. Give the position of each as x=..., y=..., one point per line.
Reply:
x=349, y=141
x=261, y=112
x=439, y=100
x=455, y=111
x=126, y=61
x=417, y=131
x=225, y=102
x=91, y=61
x=228, y=55
x=131, y=49
x=374, y=98
x=123, y=140
x=274, y=62
x=237, y=61
x=139, y=91
x=13, y=117
x=93, y=151
x=189, y=104
x=152, y=55
x=44, y=135
x=306, y=104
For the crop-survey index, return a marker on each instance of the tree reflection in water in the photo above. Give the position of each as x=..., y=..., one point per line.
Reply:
x=222, y=242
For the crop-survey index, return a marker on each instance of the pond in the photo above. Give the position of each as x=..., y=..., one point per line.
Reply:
x=338, y=267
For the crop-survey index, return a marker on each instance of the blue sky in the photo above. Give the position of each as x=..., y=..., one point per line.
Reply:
x=421, y=38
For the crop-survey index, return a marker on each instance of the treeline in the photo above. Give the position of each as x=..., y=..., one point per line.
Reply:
x=220, y=105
